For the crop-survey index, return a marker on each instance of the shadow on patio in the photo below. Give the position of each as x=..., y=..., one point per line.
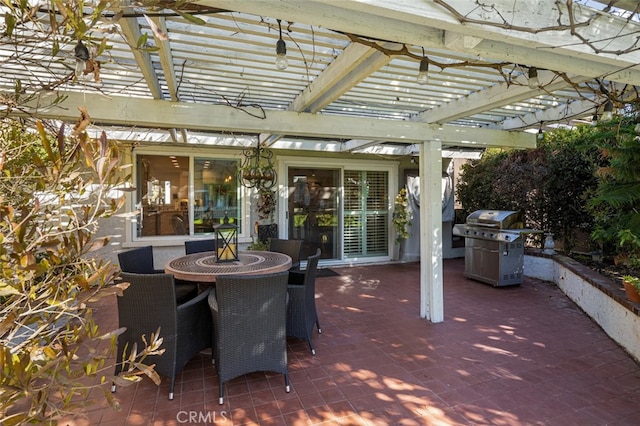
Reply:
x=520, y=355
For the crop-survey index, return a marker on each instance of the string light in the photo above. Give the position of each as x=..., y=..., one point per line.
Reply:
x=82, y=56
x=423, y=71
x=281, y=51
x=534, y=82
x=608, y=111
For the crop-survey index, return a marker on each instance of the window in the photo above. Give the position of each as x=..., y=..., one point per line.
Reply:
x=166, y=206
x=215, y=187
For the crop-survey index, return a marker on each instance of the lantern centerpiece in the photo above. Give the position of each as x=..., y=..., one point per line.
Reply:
x=226, y=240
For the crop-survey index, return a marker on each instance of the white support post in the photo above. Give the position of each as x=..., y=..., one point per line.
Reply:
x=431, y=280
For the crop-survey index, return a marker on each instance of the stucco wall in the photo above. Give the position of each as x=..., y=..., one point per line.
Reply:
x=596, y=295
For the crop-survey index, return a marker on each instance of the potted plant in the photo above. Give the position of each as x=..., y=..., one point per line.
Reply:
x=401, y=218
x=632, y=287
x=266, y=207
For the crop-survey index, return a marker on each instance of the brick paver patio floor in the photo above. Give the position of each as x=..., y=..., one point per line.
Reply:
x=520, y=355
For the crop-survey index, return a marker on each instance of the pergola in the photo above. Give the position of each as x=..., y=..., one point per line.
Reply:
x=498, y=73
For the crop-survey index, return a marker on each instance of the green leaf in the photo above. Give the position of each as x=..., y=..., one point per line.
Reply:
x=102, y=47
x=10, y=23
x=191, y=18
x=142, y=41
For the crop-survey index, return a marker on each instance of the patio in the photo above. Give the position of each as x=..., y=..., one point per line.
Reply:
x=523, y=355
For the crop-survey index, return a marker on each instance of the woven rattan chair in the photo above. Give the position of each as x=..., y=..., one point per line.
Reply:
x=289, y=247
x=140, y=261
x=199, y=246
x=301, y=311
x=249, y=325
x=149, y=303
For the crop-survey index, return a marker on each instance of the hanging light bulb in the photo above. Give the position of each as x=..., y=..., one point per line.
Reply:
x=534, y=83
x=281, y=51
x=82, y=56
x=608, y=111
x=423, y=72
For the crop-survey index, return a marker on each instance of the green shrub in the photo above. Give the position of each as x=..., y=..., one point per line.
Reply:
x=549, y=184
x=55, y=186
x=616, y=204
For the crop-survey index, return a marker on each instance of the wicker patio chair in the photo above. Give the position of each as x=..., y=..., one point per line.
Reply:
x=289, y=247
x=140, y=261
x=249, y=326
x=301, y=310
x=149, y=304
x=198, y=246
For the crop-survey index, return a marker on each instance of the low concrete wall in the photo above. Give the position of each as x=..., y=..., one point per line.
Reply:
x=600, y=298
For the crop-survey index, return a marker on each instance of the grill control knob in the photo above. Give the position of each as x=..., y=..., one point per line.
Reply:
x=492, y=235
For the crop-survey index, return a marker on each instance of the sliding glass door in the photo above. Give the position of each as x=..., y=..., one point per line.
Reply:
x=352, y=227
x=313, y=214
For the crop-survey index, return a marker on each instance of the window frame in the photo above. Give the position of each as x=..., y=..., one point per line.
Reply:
x=244, y=205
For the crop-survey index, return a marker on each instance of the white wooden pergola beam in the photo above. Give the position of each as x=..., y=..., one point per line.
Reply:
x=166, y=62
x=567, y=111
x=496, y=96
x=166, y=59
x=550, y=115
x=131, y=32
x=352, y=66
x=125, y=111
x=357, y=144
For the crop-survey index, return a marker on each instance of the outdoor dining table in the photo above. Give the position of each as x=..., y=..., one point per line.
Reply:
x=204, y=267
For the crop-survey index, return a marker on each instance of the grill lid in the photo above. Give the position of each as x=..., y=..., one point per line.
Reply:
x=502, y=219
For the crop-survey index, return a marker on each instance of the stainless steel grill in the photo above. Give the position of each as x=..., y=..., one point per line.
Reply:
x=494, y=246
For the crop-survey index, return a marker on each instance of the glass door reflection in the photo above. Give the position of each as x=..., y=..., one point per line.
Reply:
x=313, y=210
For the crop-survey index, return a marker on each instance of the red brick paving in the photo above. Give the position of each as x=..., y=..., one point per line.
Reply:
x=522, y=355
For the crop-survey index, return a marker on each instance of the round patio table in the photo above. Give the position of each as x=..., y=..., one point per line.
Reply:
x=204, y=267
